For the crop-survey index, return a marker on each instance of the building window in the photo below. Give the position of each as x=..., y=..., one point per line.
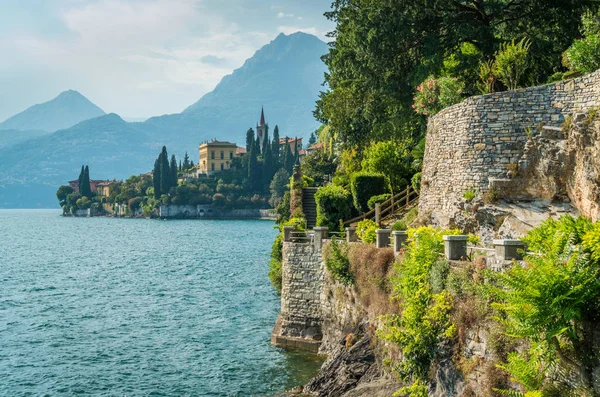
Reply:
x=212, y=155
x=222, y=166
x=230, y=155
x=212, y=167
x=222, y=155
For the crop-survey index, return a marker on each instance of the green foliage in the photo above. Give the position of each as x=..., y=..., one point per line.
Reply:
x=487, y=76
x=318, y=165
x=511, y=62
x=84, y=203
x=399, y=226
x=433, y=94
x=552, y=300
x=337, y=262
x=584, y=54
x=469, y=195
x=392, y=159
x=415, y=181
x=378, y=200
x=279, y=186
x=275, y=272
x=365, y=185
x=62, y=193
x=425, y=317
x=333, y=206
x=366, y=231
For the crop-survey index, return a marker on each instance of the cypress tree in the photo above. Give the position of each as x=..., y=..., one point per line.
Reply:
x=266, y=142
x=253, y=171
x=165, y=172
x=156, y=178
x=186, y=162
x=312, y=140
x=180, y=169
x=173, y=171
x=275, y=150
x=85, y=187
x=249, y=139
x=267, y=169
x=257, y=146
x=80, y=179
x=288, y=158
x=296, y=153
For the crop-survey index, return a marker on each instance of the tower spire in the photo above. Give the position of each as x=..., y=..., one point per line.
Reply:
x=262, y=116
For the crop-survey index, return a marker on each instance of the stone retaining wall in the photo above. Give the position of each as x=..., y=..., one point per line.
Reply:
x=481, y=142
x=208, y=212
x=300, y=318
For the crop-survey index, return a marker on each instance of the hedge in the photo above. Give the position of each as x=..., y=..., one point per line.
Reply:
x=365, y=185
x=332, y=206
x=378, y=200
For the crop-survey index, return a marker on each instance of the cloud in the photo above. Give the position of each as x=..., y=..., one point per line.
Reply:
x=281, y=15
x=285, y=29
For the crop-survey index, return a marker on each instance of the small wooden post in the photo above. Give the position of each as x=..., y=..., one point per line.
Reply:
x=407, y=195
x=378, y=213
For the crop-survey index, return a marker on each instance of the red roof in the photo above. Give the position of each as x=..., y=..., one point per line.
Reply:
x=290, y=140
x=316, y=146
x=240, y=150
x=262, y=116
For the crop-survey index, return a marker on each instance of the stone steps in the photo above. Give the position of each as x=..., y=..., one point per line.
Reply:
x=309, y=206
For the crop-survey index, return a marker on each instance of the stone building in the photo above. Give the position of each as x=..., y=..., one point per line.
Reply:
x=262, y=129
x=216, y=156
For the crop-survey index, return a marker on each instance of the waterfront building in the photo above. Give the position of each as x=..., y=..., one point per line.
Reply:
x=93, y=184
x=295, y=144
x=217, y=156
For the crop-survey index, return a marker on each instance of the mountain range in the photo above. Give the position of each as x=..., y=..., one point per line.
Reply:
x=284, y=76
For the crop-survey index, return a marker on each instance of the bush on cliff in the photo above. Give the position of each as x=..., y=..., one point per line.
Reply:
x=378, y=200
x=336, y=261
x=275, y=272
x=333, y=206
x=365, y=185
x=366, y=231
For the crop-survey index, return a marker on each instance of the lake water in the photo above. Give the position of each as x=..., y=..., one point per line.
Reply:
x=127, y=307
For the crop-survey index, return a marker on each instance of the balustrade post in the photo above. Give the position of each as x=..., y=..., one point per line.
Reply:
x=508, y=250
x=287, y=233
x=400, y=238
x=455, y=247
x=321, y=233
x=351, y=235
x=383, y=238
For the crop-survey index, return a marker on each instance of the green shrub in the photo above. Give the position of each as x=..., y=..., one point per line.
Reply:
x=434, y=94
x=415, y=181
x=366, y=231
x=275, y=272
x=337, y=262
x=378, y=200
x=332, y=206
x=469, y=195
x=584, y=54
x=425, y=319
x=399, y=226
x=511, y=62
x=299, y=223
x=365, y=185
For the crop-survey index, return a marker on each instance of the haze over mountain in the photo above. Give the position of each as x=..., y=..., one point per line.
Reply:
x=285, y=76
x=64, y=111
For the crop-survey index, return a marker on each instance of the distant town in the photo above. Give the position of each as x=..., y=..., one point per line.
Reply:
x=226, y=177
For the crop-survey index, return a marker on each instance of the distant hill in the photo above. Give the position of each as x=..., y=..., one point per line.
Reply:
x=64, y=111
x=285, y=76
x=12, y=137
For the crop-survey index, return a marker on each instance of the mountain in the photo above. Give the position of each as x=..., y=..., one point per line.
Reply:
x=64, y=111
x=285, y=76
x=12, y=137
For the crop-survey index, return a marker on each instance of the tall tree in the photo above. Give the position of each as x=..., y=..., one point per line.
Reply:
x=267, y=168
x=249, y=140
x=288, y=158
x=173, y=168
x=296, y=152
x=166, y=177
x=275, y=148
x=312, y=140
x=266, y=142
x=156, y=178
x=254, y=176
x=186, y=162
x=80, y=178
x=85, y=188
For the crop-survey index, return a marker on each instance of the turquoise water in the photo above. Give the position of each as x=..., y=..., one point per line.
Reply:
x=123, y=307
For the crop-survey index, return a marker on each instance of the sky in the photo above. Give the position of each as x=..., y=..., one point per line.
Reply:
x=137, y=58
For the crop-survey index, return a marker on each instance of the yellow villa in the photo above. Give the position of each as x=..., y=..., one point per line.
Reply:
x=216, y=156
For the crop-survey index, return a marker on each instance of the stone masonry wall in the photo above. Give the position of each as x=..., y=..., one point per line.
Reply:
x=481, y=142
x=300, y=320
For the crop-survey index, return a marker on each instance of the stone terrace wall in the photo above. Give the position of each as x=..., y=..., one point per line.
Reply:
x=475, y=141
x=300, y=319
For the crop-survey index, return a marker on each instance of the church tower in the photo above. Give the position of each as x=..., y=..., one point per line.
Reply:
x=262, y=129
